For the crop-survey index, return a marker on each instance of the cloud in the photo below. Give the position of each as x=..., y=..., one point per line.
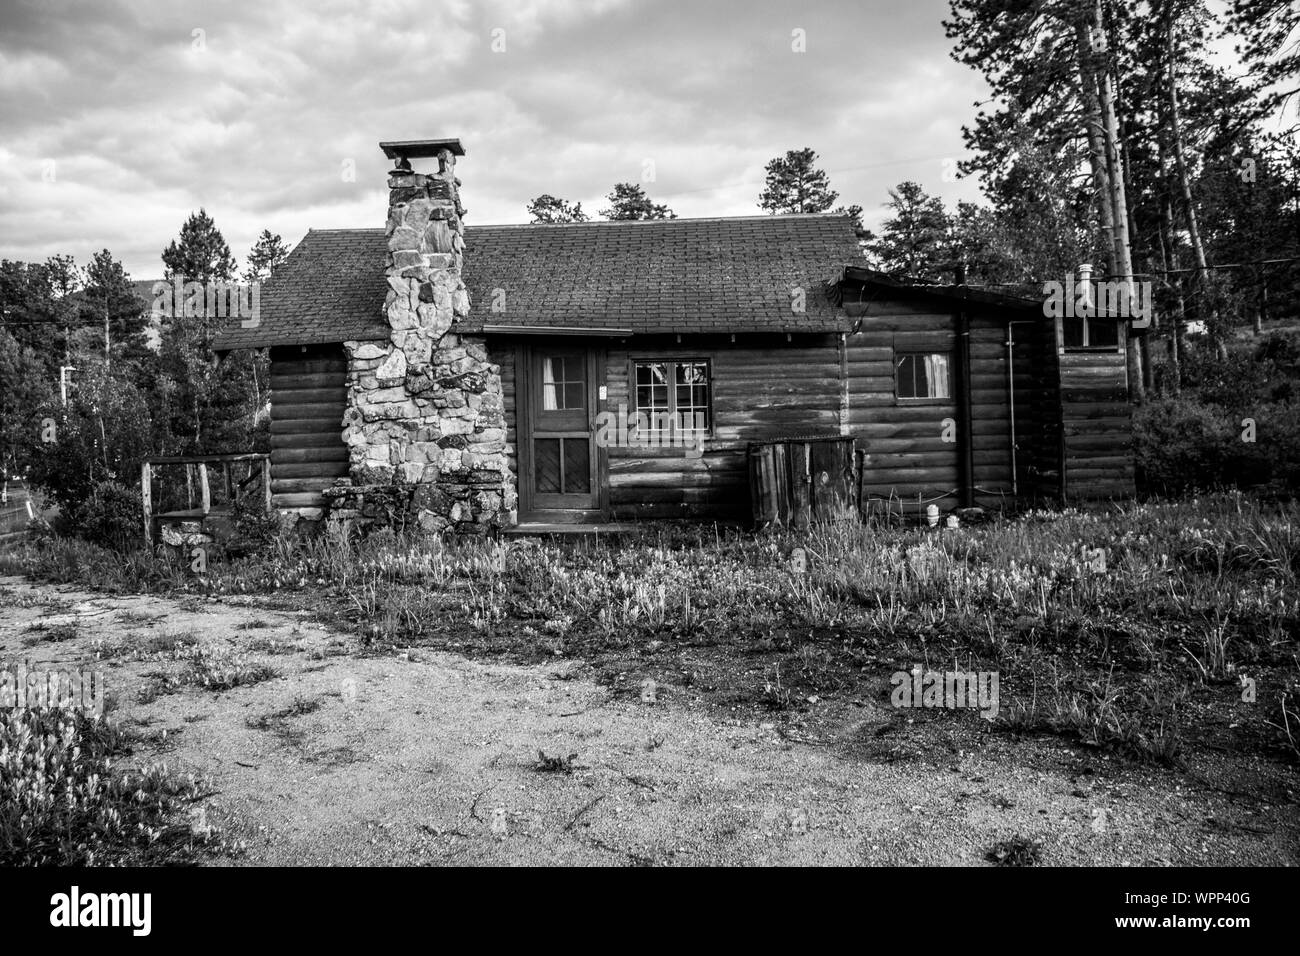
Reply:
x=258, y=111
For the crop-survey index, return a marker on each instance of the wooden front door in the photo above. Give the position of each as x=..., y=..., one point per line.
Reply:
x=558, y=452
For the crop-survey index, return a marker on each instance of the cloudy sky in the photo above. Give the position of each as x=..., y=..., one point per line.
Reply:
x=120, y=119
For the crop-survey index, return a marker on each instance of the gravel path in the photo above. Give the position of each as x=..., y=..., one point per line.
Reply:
x=427, y=758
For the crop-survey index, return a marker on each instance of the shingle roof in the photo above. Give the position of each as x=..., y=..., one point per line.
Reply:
x=676, y=275
x=849, y=292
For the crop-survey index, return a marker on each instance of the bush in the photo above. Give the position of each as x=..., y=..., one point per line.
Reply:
x=112, y=516
x=253, y=524
x=1183, y=445
x=1235, y=384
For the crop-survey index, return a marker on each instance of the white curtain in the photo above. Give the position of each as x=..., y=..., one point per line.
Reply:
x=549, y=402
x=936, y=374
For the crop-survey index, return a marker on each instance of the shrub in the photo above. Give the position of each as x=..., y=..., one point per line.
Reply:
x=1236, y=383
x=112, y=516
x=254, y=525
x=1182, y=445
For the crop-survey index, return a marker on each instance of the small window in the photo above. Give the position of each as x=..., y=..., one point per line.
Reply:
x=674, y=393
x=923, y=375
x=1081, y=333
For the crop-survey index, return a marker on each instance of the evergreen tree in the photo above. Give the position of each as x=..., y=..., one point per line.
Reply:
x=110, y=308
x=200, y=254
x=914, y=241
x=204, y=405
x=794, y=184
x=551, y=210
x=629, y=201
x=266, y=256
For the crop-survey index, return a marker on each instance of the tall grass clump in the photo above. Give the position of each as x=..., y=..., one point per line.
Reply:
x=64, y=802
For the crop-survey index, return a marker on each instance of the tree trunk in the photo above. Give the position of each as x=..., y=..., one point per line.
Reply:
x=1169, y=261
x=1262, y=313
x=1096, y=143
x=1185, y=186
x=1118, y=198
x=1104, y=155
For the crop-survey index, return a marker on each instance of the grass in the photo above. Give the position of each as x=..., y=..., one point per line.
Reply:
x=66, y=800
x=1125, y=629
x=1018, y=851
x=51, y=633
x=208, y=667
x=556, y=764
x=278, y=722
x=25, y=599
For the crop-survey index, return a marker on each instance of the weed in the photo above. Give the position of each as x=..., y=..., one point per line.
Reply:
x=1018, y=851
x=51, y=634
x=556, y=764
x=211, y=668
x=64, y=801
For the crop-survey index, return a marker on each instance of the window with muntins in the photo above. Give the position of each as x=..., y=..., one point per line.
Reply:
x=923, y=375
x=674, y=393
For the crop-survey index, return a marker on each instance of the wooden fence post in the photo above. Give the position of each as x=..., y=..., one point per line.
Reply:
x=146, y=498
x=205, y=494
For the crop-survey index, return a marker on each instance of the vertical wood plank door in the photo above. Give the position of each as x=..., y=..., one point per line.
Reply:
x=560, y=475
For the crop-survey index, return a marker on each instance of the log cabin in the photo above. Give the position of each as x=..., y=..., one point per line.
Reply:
x=527, y=376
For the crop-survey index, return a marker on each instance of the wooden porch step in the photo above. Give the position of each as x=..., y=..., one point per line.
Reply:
x=568, y=529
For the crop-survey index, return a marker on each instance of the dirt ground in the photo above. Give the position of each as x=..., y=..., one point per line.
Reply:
x=428, y=758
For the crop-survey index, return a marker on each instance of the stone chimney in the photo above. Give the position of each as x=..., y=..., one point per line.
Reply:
x=425, y=420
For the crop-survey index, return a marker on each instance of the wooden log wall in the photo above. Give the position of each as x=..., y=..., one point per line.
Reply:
x=907, y=463
x=758, y=392
x=1096, y=420
x=826, y=385
x=308, y=398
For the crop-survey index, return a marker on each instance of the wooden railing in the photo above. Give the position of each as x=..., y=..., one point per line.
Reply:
x=198, y=487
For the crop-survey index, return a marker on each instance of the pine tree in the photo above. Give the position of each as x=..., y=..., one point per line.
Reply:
x=628, y=201
x=200, y=254
x=206, y=406
x=1265, y=30
x=914, y=241
x=109, y=306
x=267, y=254
x=551, y=210
x=795, y=184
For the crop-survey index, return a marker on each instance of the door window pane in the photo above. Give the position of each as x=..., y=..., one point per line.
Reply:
x=564, y=383
x=577, y=466
x=546, y=465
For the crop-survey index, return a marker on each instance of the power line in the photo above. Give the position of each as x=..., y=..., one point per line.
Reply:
x=828, y=172
x=1208, y=268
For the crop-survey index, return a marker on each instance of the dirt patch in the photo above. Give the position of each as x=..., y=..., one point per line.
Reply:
x=424, y=757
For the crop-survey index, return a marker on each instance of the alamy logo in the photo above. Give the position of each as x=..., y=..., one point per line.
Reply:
x=213, y=300
x=25, y=687
x=102, y=909
x=659, y=429
x=950, y=689
x=1084, y=299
